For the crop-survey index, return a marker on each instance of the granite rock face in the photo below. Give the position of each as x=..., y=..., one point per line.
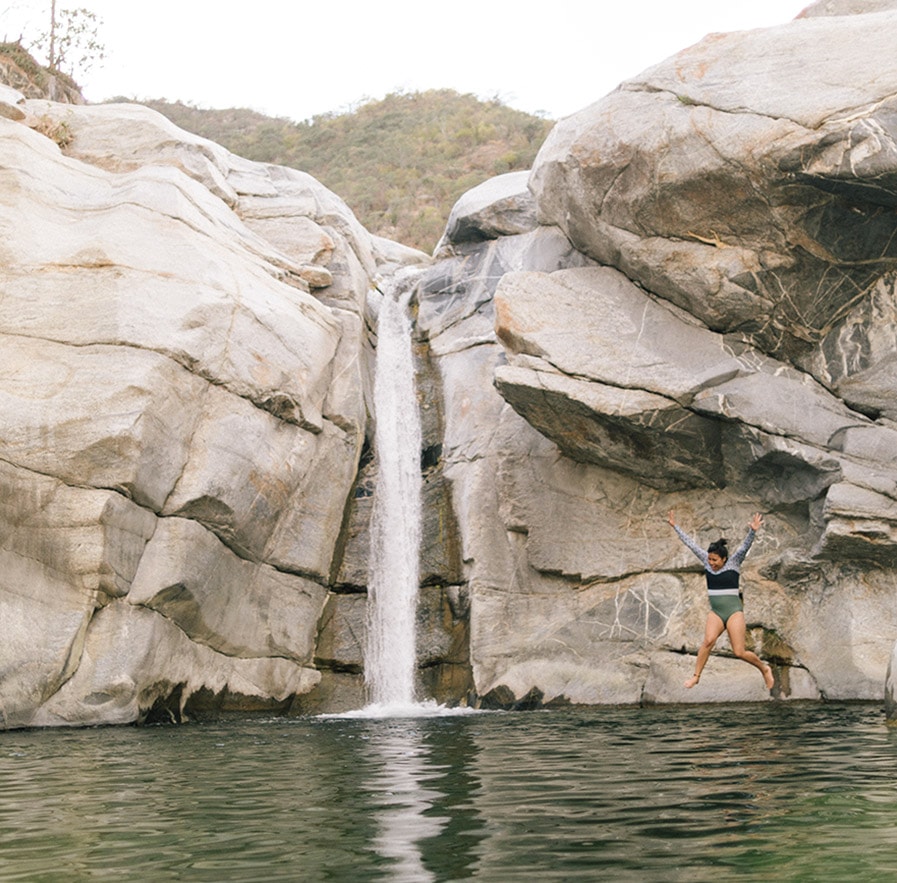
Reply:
x=182, y=419
x=732, y=187
x=728, y=348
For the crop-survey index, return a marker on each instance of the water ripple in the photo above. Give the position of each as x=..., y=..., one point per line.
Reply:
x=794, y=792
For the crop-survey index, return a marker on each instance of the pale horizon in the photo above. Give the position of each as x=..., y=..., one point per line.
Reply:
x=302, y=62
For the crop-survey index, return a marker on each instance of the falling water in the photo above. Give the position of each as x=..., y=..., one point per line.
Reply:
x=396, y=520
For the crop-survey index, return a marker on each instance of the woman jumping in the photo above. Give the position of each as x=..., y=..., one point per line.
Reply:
x=726, y=610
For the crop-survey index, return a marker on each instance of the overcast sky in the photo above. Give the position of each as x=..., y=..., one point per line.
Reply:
x=299, y=58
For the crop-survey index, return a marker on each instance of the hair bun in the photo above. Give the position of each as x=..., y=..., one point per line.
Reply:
x=719, y=547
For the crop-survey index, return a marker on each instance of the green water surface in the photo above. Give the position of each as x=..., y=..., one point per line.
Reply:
x=751, y=792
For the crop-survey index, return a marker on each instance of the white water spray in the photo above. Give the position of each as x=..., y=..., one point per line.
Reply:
x=396, y=519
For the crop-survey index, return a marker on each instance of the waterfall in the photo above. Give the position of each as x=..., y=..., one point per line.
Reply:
x=396, y=519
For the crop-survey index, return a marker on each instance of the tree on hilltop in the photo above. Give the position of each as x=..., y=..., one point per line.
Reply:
x=71, y=41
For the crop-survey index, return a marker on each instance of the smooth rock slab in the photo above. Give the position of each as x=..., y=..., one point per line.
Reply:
x=107, y=417
x=125, y=137
x=212, y=299
x=637, y=432
x=132, y=657
x=234, y=606
x=622, y=337
x=815, y=76
x=64, y=551
x=270, y=490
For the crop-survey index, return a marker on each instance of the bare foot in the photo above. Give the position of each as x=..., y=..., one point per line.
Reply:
x=767, y=676
x=692, y=681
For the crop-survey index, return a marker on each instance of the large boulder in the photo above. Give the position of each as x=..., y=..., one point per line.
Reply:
x=183, y=422
x=734, y=353
x=759, y=197
x=500, y=206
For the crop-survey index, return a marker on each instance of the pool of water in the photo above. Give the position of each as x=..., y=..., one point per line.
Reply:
x=756, y=792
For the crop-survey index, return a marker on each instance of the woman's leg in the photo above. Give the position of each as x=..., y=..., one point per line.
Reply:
x=736, y=629
x=712, y=630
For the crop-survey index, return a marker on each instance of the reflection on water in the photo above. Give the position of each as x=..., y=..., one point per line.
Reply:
x=783, y=792
x=399, y=791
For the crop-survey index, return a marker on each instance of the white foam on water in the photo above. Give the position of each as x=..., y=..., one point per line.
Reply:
x=428, y=709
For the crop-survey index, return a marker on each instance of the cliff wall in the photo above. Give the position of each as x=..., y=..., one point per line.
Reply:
x=720, y=339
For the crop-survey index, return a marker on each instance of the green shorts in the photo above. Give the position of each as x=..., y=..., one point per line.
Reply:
x=725, y=605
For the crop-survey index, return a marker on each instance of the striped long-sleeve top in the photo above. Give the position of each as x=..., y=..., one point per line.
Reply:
x=726, y=579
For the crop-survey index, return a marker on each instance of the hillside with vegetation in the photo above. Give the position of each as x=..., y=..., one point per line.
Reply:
x=400, y=163
x=20, y=70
